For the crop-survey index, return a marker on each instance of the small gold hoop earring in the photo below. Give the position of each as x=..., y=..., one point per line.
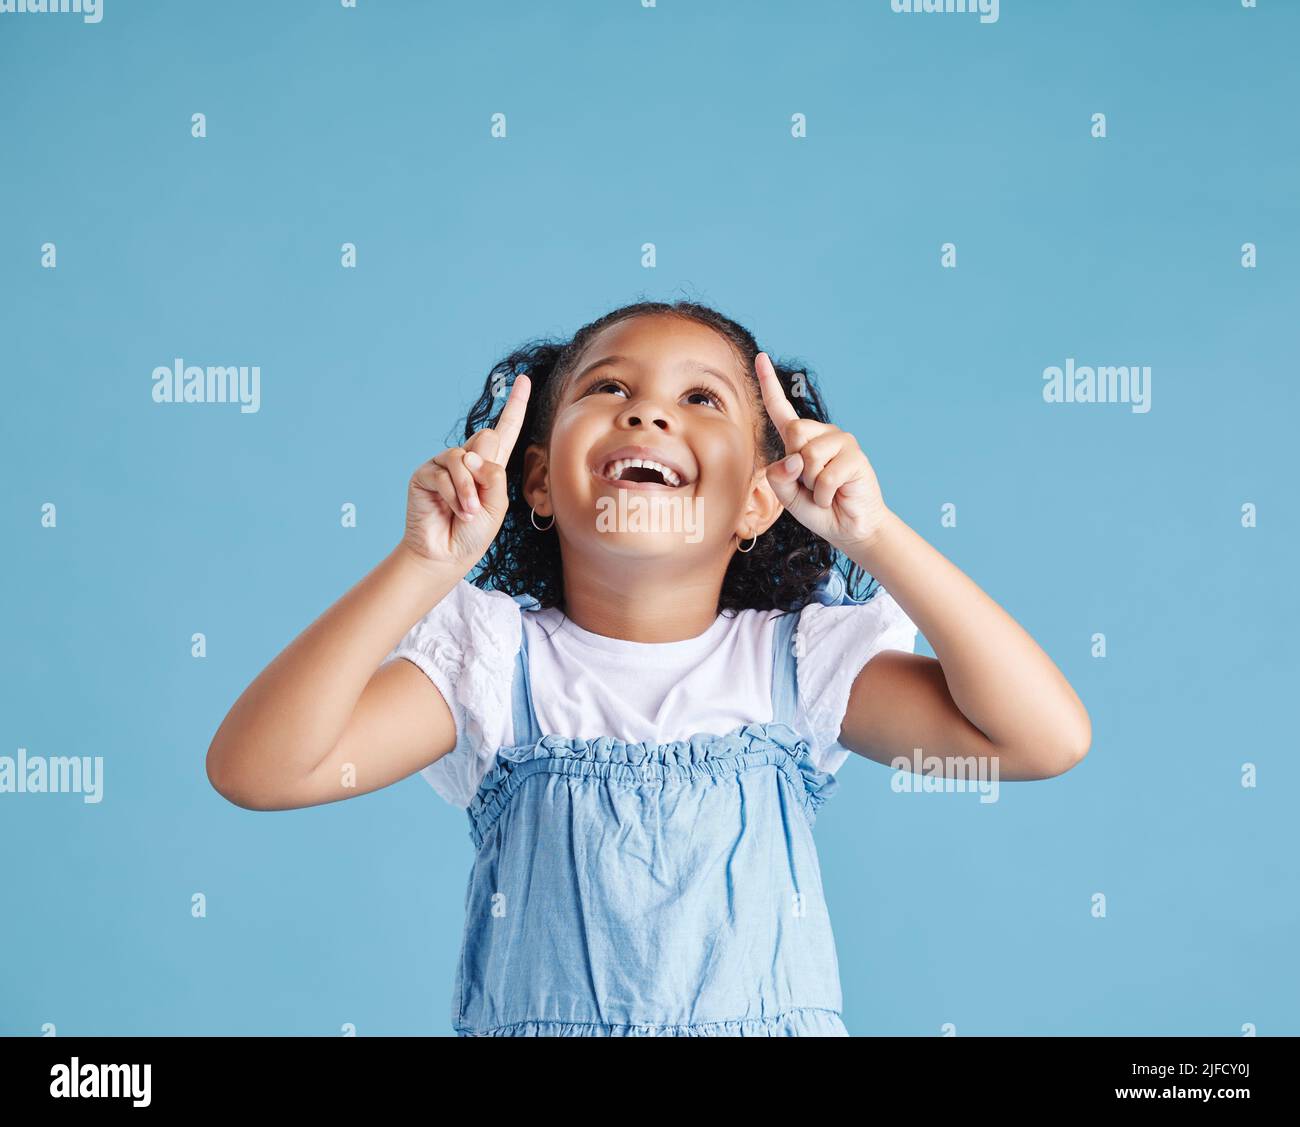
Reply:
x=752, y=541
x=532, y=516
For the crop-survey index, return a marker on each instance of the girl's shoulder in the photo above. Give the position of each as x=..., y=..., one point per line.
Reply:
x=469, y=616
x=467, y=645
x=835, y=638
x=836, y=633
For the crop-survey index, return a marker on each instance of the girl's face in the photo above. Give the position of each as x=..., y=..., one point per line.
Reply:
x=667, y=391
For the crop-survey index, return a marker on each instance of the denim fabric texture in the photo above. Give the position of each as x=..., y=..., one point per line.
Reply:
x=641, y=889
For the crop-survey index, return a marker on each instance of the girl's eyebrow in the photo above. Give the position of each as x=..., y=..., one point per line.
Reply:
x=692, y=365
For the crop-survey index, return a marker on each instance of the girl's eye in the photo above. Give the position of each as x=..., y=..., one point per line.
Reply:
x=704, y=391
x=710, y=396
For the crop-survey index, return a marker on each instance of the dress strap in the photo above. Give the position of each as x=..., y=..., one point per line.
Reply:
x=526, y=727
x=785, y=687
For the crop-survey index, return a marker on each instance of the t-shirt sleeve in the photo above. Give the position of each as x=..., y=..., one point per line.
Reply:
x=833, y=644
x=467, y=645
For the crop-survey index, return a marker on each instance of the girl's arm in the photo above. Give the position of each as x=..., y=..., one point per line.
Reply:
x=992, y=691
x=324, y=703
x=323, y=722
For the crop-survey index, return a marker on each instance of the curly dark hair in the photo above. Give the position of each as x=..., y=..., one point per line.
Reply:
x=787, y=561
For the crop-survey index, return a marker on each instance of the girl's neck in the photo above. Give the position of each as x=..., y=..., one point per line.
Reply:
x=641, y=601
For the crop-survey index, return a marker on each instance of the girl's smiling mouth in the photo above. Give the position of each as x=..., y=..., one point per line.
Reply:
x=640, y=467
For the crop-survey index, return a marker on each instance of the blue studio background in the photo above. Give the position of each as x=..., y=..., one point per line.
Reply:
x=670, y=125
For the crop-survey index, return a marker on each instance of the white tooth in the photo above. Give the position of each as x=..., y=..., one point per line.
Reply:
x=615, y=469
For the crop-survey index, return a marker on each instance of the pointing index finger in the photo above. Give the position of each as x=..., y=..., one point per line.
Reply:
x=511, y=420
x=779, y=408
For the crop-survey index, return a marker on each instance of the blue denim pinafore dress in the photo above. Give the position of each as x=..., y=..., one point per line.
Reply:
x=640, y=889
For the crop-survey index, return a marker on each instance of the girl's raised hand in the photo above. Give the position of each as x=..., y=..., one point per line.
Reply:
x=456, y=501
x=825, y=480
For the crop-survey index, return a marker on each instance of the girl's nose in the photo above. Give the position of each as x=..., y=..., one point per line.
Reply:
x=635, y=414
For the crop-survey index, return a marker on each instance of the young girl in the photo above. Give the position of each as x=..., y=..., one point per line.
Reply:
x=642, y=698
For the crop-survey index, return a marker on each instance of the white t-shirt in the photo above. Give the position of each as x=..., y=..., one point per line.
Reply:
x=587, y=685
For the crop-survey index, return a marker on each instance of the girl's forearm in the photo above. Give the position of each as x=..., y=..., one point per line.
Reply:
x=996, y=673
x=293, y=714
